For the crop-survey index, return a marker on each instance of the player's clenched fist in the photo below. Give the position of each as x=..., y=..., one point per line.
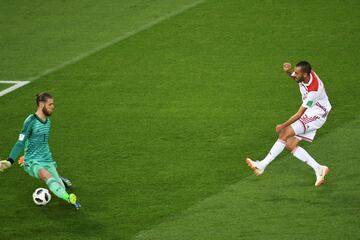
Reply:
x=287, y=67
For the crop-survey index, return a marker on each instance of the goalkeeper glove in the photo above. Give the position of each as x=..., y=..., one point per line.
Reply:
x=4, y=164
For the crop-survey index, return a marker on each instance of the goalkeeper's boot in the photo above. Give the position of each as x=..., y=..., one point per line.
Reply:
x=74, y=201
x=66, y=182
x=255, y=166
x=320, y=175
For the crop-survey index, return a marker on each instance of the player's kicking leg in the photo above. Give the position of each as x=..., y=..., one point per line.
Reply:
x=55, y=185
x=287, y=139
x=259, y=166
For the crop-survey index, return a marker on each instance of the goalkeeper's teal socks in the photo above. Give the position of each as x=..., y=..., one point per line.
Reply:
x=57, y=189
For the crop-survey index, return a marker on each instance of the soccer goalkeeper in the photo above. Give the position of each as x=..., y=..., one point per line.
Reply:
x=38, y=161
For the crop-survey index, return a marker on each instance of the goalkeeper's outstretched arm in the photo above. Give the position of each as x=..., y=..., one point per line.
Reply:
x=14, y=154
x=16, y=151
x=19, y=145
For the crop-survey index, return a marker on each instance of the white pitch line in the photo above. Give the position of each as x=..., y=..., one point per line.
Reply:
x=101, y=47
x=16, y=85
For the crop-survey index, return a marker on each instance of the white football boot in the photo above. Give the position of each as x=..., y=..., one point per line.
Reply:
x=255, y=166
x=320, y=175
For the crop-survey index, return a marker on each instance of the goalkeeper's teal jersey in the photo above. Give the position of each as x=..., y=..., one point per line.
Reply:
x=34, y=137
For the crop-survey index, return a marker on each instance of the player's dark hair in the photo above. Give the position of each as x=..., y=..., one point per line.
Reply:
x=305, y=66
x=42, y=97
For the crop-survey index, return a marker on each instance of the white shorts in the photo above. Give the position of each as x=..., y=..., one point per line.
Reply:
x=305, y=128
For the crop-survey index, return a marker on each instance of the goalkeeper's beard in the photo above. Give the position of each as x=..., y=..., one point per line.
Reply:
x=46, y=112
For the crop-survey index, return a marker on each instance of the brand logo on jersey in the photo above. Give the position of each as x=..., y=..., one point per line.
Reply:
x=21, y=137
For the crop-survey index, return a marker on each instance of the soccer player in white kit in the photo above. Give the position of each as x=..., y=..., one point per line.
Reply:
x=303, y=125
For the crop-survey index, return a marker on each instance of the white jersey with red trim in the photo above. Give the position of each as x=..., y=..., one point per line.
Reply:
x=317, y=107
x=314, y=95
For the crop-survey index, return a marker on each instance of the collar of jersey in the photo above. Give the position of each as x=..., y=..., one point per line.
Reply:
x=308, y=84
x=37, y=117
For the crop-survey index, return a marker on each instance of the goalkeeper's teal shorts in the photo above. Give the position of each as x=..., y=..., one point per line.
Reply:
x=33, y=167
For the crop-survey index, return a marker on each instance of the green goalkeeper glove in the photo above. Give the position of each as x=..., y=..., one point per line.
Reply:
x=4, y=164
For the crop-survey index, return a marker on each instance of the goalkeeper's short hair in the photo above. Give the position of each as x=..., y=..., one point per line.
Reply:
x=42, y=97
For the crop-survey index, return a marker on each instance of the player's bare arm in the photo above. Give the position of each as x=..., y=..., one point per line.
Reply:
x=291, y=120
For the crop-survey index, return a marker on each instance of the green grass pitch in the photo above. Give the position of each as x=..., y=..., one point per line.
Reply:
x=153, y=130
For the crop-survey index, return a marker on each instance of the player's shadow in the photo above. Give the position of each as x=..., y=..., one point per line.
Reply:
x=67, y=219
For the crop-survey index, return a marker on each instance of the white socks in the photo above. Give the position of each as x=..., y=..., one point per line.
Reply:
x=276, y=149
x=304, y=156
x=298, y=152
